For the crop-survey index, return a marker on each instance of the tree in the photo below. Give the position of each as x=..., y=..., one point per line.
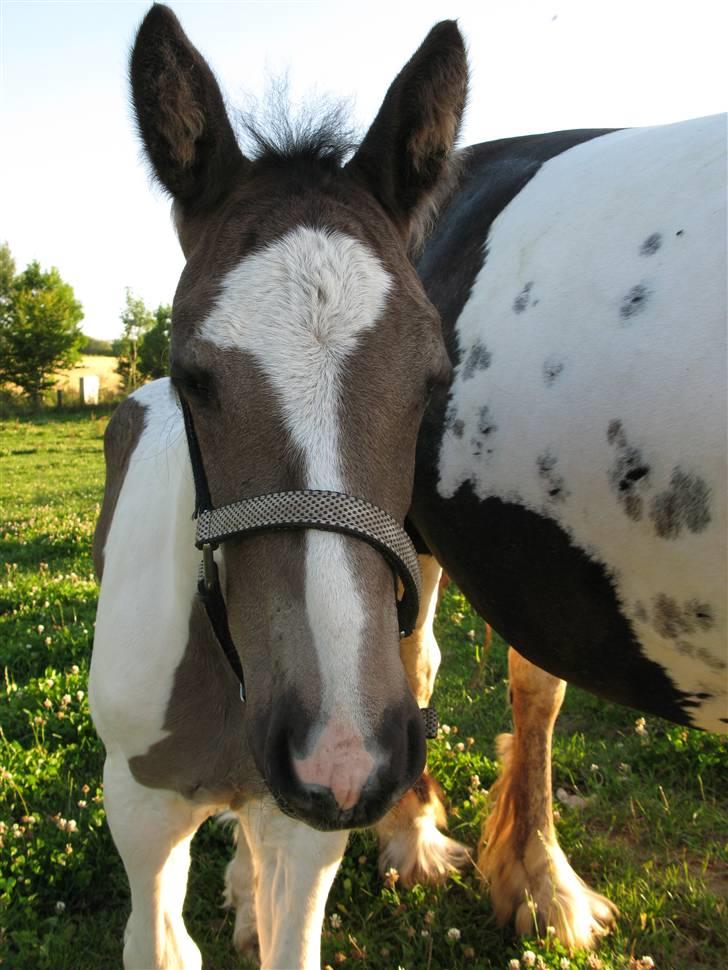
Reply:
x=97, y=347
x=154, y=345
x=39, y=326
x=7, y=271
x=136, y=320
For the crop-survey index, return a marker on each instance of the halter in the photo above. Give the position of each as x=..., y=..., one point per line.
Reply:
x=285, y=511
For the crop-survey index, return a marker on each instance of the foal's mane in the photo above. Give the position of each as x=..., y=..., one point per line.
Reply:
x=317, y=130
x=320, y=131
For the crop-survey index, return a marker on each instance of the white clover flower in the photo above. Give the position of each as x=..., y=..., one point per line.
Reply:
x=82, y=803
x=514, y=964
x=647, y=963
x=48, y=641
x=66, y=700
x=60, y=906
x=564, y=963
x=80, y=695
x=528, y=958
x=424, y=933
x=640, y=727
x=445, y=728
x=453, y=934
x=460, y=746
x=74, y=669
x=40, y=628
x=71, y=825
x=594, y=767
x=391, y=878
x=335, y=921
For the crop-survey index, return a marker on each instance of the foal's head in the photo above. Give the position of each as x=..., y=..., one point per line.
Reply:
x=304, y=346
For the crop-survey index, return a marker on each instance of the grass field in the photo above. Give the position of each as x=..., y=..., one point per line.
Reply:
x=652, y=834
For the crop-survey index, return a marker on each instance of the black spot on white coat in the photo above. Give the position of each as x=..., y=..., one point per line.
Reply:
x=556, y=490
x=634, y=302
x=684, y=505
x=671, y=620
x=479, y=358
x=452, y=422
x=552, y=368
x=629, y=474
x=523, y=299
x=650, y=246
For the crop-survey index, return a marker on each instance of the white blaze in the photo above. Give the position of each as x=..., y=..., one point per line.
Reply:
x=299, y=307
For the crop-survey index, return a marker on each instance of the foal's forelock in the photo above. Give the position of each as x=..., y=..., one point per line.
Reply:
x=299, y=308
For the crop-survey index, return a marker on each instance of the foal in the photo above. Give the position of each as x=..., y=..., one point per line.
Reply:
x=303, y=349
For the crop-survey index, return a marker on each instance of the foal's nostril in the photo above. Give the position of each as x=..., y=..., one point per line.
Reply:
x=337, y=779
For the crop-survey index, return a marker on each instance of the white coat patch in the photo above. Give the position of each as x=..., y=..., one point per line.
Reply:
x=593, y=345
x=299, y=307
x=150, y=554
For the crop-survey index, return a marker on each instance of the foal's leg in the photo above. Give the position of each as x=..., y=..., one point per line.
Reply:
x=519, y=854
x=240, y=895
x=152, y=830
x=294, y=867
x=409, y=836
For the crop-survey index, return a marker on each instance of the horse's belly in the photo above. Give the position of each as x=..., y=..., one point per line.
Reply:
x=591, y=389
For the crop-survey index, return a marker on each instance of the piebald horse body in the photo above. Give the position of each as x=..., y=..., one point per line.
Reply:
x=572, y=477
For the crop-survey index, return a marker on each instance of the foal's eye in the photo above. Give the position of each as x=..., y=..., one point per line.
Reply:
x=197, y=384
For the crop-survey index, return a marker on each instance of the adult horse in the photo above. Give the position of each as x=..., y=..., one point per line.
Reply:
x=572, y=477
x=302, y=349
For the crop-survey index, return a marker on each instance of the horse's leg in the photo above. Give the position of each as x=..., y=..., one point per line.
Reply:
x=240, y=895
x=409, y=836
x=152, y=830
x=519, y=854
x=294, y=867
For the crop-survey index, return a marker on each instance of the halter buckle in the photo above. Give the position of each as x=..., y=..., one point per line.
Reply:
x=209, y=571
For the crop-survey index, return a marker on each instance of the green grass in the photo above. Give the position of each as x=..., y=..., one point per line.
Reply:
x=652, y=837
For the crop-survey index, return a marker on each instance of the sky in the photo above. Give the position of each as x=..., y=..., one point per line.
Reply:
x=74, y=189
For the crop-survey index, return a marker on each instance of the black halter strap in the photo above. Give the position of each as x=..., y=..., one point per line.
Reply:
x=302, y=509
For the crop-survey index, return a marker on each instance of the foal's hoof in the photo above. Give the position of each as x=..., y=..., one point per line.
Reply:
x=423, y=855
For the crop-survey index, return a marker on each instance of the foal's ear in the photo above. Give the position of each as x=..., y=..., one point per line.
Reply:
x=180, y=112
x=406, y=151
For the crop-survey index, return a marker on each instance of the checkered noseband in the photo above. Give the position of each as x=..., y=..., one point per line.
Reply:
x=301, y=509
